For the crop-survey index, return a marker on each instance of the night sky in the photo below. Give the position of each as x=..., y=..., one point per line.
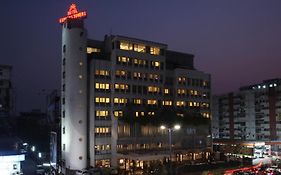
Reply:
x=237, y=41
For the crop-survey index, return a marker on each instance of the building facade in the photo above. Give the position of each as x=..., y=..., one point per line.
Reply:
x=250, y=115
x=253, y=113
x=102, y=79
x=6, y=100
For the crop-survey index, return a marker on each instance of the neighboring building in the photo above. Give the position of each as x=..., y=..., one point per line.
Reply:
x=101, y=78
x=53, y=116
x=6, y=100
x=11, y=155
x=251, y=114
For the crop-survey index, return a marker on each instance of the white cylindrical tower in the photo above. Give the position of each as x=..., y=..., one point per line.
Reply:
x=74, y=91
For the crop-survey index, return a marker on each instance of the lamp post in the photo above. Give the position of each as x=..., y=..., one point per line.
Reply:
x=170, y=130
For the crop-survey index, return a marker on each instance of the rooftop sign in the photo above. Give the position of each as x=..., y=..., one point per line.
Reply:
x=73, y=14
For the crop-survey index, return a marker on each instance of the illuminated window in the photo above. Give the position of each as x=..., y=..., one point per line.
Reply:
x=123, y=59
x=155, y=63
x=121, y=73
x=139, y=48
x=138, y=75
x=102, y=86
x=126, y=45
x=167, y=103
x=206, y=114
x=102, y=100
x=121, y=86
x=103, y=163
x=181, y=91
x=102, y=130
x=102, y=113
x=139, y=114
x=120, y=100
x=102, y=149
x=181, y=80
x=152, y=102
x=92, y=50
x=118, y=113
x=154, y=50
x=137, y=101
x=166, y=91
x=151, y=113
x=204, y=83
x=180, y=103
x=153, y=89
x=102, y=72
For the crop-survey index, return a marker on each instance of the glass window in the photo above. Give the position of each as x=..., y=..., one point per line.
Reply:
x=126, y=45
x=155, y=50
x=92, y=50
x=139, y=48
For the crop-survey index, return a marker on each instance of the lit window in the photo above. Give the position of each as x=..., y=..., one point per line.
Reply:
x=151, y=113
x=120, y=100
x=126, y=46
x=180, y=103
x=167, y=103
x=118, y=113
x=181, y=79
x=204, y=83
x=166, y=91
x=101, y=113
x=102, y=130
x=152, y=102
x=121, y=73
x=92, y=50
x=123, y=59
x=102, y=100
x=139, y=48
x=155, y=63
x=102, y=86
x=121, y=86
x=153, y=89
x=154, y=50
x=102, y=72
x=137, y=101
x=181, y=91
x=139, y=114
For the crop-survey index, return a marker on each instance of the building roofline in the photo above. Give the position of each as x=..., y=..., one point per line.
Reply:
x=6, y=66
x=140, y=40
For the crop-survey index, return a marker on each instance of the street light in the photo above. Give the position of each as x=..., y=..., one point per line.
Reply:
x=176, y=127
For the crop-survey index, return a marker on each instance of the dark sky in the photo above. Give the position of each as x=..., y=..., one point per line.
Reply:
x=237, y=41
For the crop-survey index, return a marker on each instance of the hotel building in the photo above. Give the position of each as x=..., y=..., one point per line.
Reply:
x=100, y=79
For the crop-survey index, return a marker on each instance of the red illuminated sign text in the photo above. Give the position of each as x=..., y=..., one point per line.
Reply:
x=73, y=14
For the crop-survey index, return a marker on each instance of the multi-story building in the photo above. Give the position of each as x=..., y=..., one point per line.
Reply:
x=252, y=114
x=101, y=79
x=6, y=105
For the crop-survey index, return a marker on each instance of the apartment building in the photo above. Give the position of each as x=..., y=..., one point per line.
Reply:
x=250, y=116
x=101, y=80
x=252, y=113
